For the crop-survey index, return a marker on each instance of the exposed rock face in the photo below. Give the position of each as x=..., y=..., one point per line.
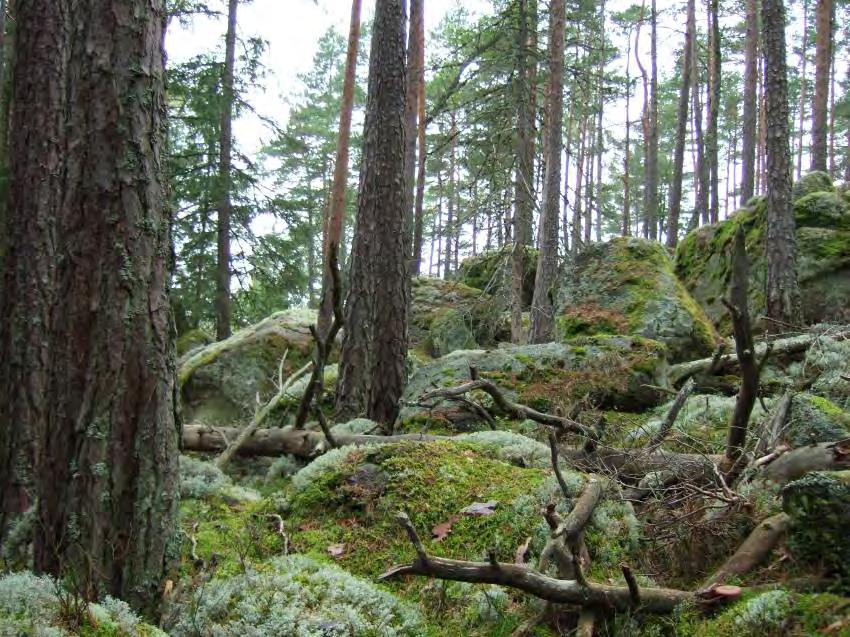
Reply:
x=445, y=316
x=823, y=254
x=611, y=371
x=490, y=271
x=628, y=286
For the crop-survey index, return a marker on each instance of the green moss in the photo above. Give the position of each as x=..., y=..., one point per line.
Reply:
x=822, y=210
x=191, y=340
x=491, y=271
x=815, y=181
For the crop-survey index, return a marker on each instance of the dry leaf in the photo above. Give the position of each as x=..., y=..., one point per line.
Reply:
x=439, y=532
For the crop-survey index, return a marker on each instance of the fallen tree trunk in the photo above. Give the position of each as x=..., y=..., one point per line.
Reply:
x=783, y=346
x=826, y=456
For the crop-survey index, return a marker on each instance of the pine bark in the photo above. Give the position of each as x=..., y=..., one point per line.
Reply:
x=783, y=297
x=823, y=48
x=223, y=317
x=675, y=200
x=543, y=305
x=711, y=139
x=418, y=218
x=701, y=166
x=36, y=147
x=335, y=218
x=411, y=116
x=451, y=222
x=748, y=123
x=107, y=478
x=652, y=146
x=804, y=53
x=374, y=352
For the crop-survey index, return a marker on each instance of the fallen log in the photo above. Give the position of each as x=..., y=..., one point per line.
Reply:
x=792, y=345
x=826, y=456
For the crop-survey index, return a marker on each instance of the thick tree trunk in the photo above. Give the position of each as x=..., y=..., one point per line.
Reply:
x=36, y=151
x=675, y=201
x=335, y=218
x=374, y=351
x=748, y=124
x=823, y=49
x=543, y=302
x=107, y=479
x=783, y=296
x=222, y=301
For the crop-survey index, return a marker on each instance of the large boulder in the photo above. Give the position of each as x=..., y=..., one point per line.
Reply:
x=703, y=258
x=617, y=372
x=445, y=316
x=627, y=286
x=491, y=271
x=220, y=383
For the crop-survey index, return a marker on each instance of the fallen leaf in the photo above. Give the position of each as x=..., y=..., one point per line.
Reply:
x=480, y=508
x=336, y=550
x=439, y=532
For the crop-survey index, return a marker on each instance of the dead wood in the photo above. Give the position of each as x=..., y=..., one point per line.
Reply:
x=520, y=577
x=512, y=408
x=781, y=347
x=573, y=527
x=826, y=456
x=771, y=431
x=672, y=414
x=753, y=551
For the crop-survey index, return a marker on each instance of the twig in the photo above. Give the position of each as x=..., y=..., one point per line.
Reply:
x=631, y=582
x=553, y=447
x=672, y=414
x=583, y=509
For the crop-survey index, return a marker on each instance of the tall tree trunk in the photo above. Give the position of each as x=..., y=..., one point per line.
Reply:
x=627, y=183
x=711, y=139
x=37, y=143
x=675, y=200
x=783, y=297
x=588, y=184
x=701, y=166
x=108, y=479
x=451, y=222
x=565, y=218
x=804, y=53
x=748, y=128
x=823, y=48
x=761, y=163
x=600, y=139
x=645, y=121
x=4, y=135
x=525, y=164
x=223, y=314
x=543, y=302
x=336, y=212
x=832, y=102
x=418, y=216
x=577, y=209
x=373, y=371
x=415, y=63
x=652, y=146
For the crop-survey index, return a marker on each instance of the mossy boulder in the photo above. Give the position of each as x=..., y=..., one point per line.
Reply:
x=815, y=419
x=192, y=340
x=491, y=271
x=219, y=383
x=819, y=506
x=611, y=371
x=703, y=257
x=815, y=181
x=627, y=286
x=445, y=316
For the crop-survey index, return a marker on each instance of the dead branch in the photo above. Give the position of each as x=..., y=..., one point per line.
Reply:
x=670, y=418
x=753, y=551
x=553, y=448
x=520, y=577
x=505, y=404
x=631, y=582
x=745, y=348
x=781, y=347
x=571, y=528
x=826, y=456
x=771, y=431
x=324, y=344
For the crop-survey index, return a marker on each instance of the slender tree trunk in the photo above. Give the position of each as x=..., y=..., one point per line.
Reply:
x=223, y=313
x=588, y=184
x=600, y=139
x=701, y=165
x=823, y=47
x=762, y=140
x=783, y=297
x=336, y=211
x=36, y=147
x=108, y=476
x=543, y=302
x=804, y=53
x=451, y=223
x=748, y=128
x=372, y=372
x=627, y=201
x=675, y=200
x=565, y=219
x=652, y=148
x=646, y=122
x=418, y=216
x=711, y=140
x=525, y=167
x=415, y=63
x=577, y=209
x=832, y=102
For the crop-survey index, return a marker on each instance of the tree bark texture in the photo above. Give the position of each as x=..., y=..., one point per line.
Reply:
x=748, y=124
x=415, y=61
x=675, y=200
x=823, y=50
x=222, y=299
x=418, y=219
x=336, y=212
x=36, y=148
x=374, y=351
x=652, y=147
x=783, y=295
x=543, y=302
x=107, y=475
x=804, y=53
x=711, y=139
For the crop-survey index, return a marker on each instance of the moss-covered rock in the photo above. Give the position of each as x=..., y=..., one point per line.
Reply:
x=815, y=181
x=627, y=286
x=819, y=506
x=610, y=371
x=192, y=340
x=703, y=257
x=815, y=419
x=219, y=383
x=449, y=331
x=491, y=271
